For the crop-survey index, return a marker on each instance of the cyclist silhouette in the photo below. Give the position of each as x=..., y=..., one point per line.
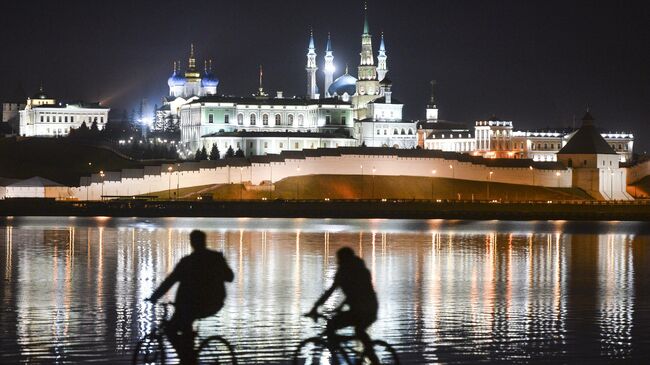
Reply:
x=355, y=281
x=201, y=293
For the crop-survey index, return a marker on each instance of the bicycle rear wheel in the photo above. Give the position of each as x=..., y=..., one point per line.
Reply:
x=150, y=350
x=216, y=350
x=385, y=353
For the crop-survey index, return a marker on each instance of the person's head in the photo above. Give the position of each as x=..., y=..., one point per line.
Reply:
x=197, y=239
x=345, y=255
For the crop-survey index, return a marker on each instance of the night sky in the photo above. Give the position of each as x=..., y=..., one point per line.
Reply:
x=537, y=63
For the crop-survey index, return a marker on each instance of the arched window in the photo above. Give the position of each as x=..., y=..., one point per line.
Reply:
x=385, y=132
x=290, y=119
x=403, y=131
x=378, y=132
x=395, y=131
x=301, y=120
x=265, y=119
x=278, y=119
x=240, y=119
x=252, y=119
x=410, y=132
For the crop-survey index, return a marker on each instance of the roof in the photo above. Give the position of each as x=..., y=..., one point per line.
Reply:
x=382, y=100
x=75, y=104
x=35, y=181
x=278, y=134
x=443, y=125
x=267, y=101
x=587, y=141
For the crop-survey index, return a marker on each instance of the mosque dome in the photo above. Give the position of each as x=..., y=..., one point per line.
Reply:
x=176, y=80
x=343, y=84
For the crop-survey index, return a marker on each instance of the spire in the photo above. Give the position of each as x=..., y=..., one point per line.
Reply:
x=382, y=65
x=366, y=28
x=40, y=87
x=346, y=69
x=311, y=39
x=191, y=62
x=328, y=48
x=382, y=46
x=260, y=91
x=432, y=101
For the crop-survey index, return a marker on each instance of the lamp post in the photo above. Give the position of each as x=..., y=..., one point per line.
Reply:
x=169, y=189
x=271, y=187
x=373, y=181
x=178, y=180
x=241, y=182
x=453, y=173
x=532, y=172
x=558, y=178
x=488, y=184
x=362, y=185
x=433, y=172
x=297, y=183
x=101, y=174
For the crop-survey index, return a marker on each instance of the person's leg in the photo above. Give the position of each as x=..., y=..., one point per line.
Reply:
x=180, y=335
x=360, y=328
x=338, y=321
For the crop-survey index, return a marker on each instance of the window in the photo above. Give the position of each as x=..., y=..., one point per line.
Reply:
x=240, y=119
x=210, y=118
x=395, y=131
x=65, y=119
x=48, y=118
x=328, y=119
x=71, y=119
x=297, y=145
x=281, y=145
x=378, y=132
x=385, y=132
x=101, y=119
x=226, y=119
x=290, y=119
x=301, y=120
x=278, y=119
x=343, y=121
x=250, y=144
x=42, y=119
x=252, y=119
x=266, y=144
x=265, y=119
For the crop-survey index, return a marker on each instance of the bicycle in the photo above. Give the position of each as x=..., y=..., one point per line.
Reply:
x=348, y=349
x=151, y=348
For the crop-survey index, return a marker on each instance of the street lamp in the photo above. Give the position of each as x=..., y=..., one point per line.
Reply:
x=241, y=182
x=297, y=183
x=453, y=174
x=271, y=187
x=178, y=180
x=488, y=184
x=373, y=181
x=362, y=185
x=532, y=172
x=433, y=172
x=101, y=174
x=558, y=178
x=169, y=191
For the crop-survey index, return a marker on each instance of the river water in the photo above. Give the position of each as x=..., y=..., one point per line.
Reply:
x=73, y=289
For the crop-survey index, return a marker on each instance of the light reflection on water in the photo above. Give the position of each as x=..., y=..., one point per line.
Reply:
x=450, y=291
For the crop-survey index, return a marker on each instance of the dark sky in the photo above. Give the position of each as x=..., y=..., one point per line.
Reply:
x=537, y=63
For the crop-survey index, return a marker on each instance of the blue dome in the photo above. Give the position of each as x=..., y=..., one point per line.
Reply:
x=176, y=80
x=209, y=80
x=343, y=84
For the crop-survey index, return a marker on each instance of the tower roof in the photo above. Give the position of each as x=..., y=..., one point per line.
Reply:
x=311, y=40
x=587, y=140
x=382, y=46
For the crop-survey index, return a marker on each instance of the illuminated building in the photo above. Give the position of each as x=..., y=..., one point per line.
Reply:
x=44, y=117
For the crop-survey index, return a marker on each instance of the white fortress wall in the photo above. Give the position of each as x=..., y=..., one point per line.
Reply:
x=158, y=178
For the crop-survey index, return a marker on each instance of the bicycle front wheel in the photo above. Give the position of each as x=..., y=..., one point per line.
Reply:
x=313, y=351
x=149, y=350
x=384, y=352
x=216, y=350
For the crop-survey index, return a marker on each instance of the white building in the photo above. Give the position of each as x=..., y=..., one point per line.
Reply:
x=261, y=125
x=44, y=117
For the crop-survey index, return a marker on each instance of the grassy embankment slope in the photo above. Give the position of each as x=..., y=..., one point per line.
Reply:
x=640, y=189
x=57, y=159
x=389, y=187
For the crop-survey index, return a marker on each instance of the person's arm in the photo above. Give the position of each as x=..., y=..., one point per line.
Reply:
x=323, y=298
x=166, y=284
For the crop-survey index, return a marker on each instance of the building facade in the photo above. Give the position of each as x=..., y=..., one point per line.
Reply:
x=44, y=117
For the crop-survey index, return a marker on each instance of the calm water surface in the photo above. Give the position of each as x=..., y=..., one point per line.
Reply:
x=73, y=289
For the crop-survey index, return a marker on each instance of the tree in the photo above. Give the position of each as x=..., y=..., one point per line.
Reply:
x=239, y=153
x=230, y=152
x=204, y=153
x=197, y=155
x=214, y=153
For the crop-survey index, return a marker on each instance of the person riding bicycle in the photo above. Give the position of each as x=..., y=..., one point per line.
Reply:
x=201, y=293
x=355, y=281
